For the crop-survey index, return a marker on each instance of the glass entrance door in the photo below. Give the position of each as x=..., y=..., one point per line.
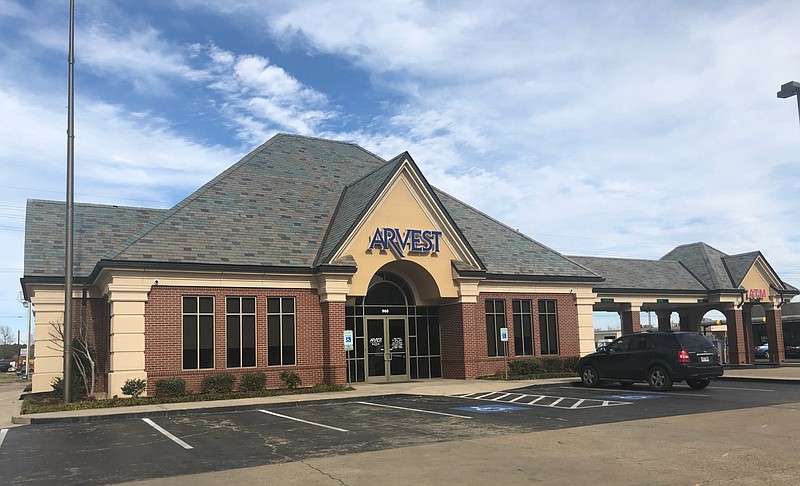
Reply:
x=386, y=349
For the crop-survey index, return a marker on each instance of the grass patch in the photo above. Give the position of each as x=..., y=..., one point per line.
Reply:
x=46, y=402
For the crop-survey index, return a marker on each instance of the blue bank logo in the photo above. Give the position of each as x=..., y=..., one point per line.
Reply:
x=411, y=240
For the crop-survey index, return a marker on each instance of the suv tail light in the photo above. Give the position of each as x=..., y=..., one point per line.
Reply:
x=683, y=356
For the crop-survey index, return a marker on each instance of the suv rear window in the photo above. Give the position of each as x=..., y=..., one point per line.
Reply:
x=695, y=342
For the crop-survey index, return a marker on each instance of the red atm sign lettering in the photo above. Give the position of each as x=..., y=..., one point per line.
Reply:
x=757, y=293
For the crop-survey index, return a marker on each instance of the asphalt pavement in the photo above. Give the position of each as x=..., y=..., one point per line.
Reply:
x=789, y=372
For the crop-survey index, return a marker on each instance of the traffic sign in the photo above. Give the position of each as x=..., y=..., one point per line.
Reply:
x=348, y=340
x=504, y=334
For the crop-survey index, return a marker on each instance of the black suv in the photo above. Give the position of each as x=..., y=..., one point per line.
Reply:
x=658, y=358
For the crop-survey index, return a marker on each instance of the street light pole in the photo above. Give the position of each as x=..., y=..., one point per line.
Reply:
x=792, y=88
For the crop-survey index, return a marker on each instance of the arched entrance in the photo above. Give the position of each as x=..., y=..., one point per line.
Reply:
x=395, y=339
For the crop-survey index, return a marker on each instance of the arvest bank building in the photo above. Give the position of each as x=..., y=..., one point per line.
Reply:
x=265, y=267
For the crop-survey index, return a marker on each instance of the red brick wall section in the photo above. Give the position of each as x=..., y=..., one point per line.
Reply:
x=334, y=366
x=451, y=329
x=568, y=338
x=163, y=335
x=737, y=354
x=775, y=335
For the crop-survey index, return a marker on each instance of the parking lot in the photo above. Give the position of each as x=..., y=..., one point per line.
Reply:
x=158, y=446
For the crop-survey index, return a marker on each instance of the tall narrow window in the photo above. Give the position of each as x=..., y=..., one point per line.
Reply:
x=495, y=319
x=280, y=331
x=523, y=327
x=198, y=332
x=548, y=326
x=240, y=332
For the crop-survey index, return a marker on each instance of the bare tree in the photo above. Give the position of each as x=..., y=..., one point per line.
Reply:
x=82, y=352
x=7, y=335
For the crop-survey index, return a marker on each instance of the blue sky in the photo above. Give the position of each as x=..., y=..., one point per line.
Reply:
x=598, y=128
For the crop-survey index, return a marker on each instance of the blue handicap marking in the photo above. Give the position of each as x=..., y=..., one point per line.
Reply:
x=631, y=396
x=490, y=408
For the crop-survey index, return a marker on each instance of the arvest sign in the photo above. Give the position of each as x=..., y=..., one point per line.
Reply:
x=410, y=240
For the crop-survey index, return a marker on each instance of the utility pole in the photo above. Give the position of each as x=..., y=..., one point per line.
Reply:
x=70, y=209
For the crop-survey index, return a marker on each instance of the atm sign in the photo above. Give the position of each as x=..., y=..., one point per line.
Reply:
x=757, y=294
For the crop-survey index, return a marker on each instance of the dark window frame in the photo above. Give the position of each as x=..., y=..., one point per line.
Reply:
x=522, y=316
x=494, y=321
x=198, y=325
x=549, y=341
x=240, y=316
x=284, y=317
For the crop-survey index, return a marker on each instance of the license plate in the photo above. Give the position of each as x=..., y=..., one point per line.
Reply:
x=704, y=359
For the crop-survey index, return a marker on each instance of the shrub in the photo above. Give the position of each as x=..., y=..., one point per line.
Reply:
x=571, y=363
x=525, y=367
x=134, y=387
x=77, y=386
x=170, y=387
x=218, y=383
x=553, y=364
x=290, y=379
x=253, y=381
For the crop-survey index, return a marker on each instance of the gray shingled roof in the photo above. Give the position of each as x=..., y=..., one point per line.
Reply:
x=275, y=207
x=270, y=209
x=505, y=251
x=705, y=262
x=631, y=274
x=98, y=228
x=356, y=199
x=739, y=265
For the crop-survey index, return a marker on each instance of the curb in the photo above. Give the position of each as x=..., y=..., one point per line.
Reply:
x=759, y=380
x=122, y=415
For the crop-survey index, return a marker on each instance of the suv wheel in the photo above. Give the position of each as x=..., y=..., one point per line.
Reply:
x=659, y=379
x=589, y=376
x=698, y=384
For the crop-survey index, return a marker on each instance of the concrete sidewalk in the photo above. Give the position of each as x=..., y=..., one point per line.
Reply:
x=442, y=387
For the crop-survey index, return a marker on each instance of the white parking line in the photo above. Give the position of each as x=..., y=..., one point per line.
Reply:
x=628, y=391
x=303, y=421
x=501, y=396
x=737, y=388
x=415, y=410
x=166, y=433
x=3, y=436
x=580, y=403
x=485, y=395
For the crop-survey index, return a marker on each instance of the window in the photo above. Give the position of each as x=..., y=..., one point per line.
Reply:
x=495, y=319
x=280, y=331
x=240, y=332
x=523, y=327
x=198, y=332
x=548, y=326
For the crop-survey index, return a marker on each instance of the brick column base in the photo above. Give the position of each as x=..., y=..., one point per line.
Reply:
x=334, y=368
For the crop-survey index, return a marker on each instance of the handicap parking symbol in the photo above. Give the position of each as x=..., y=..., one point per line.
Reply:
x=631, y=396
x=490, y=408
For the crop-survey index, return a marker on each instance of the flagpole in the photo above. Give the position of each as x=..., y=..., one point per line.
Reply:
x=70, y=210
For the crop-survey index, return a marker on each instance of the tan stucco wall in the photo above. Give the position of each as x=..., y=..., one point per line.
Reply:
x=404, y=206
x=48, y=309
x=758, y=277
